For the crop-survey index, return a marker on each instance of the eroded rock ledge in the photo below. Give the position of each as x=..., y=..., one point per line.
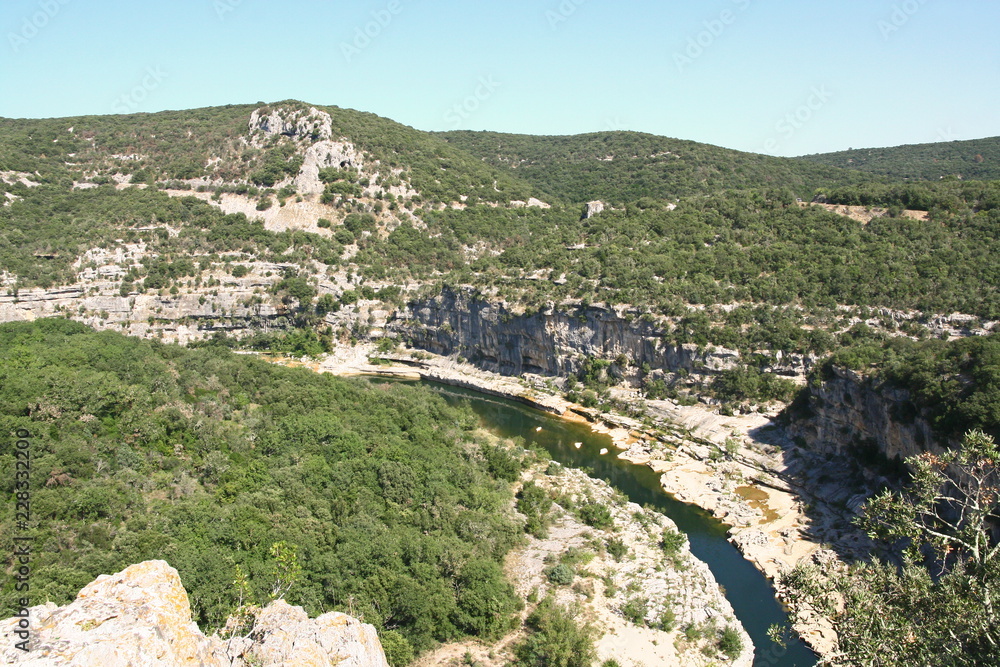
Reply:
x=142, y=616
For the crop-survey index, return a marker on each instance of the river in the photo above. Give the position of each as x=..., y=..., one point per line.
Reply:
x=747, y=590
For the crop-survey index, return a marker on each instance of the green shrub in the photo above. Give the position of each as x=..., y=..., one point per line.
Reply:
x=534, y=503
x=398, y=651
x=560, y=574
x=635, y=610
x=672, y=542
x=616, y=548
x=730, y=643
x=555, y=639
x=596, y=515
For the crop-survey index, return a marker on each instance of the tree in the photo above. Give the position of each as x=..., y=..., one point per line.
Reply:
x=909, y=615
x=948, y=506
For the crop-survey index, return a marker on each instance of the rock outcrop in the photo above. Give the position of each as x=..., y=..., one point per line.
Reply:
x=850, y=411
x=593, y=208
x=341, y=154
x=554, y=341
x=141, y=616
x=266, y=122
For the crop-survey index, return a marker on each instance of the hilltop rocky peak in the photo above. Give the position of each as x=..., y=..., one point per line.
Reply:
x=268, y=121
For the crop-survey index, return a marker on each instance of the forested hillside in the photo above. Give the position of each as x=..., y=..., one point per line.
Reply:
x=625, y=166
x=967, y=160
x=748, y=248
x=383, y=498
x=208, y=144
x=712, y=238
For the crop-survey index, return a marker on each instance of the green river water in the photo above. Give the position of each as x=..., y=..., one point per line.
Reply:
x=747, y=590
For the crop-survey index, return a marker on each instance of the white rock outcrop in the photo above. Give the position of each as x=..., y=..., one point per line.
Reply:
x=593, y=208
x=142, y=616
x=266, y=122
x=323, y=154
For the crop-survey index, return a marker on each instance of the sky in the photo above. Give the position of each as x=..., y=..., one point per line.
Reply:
x=767, y=76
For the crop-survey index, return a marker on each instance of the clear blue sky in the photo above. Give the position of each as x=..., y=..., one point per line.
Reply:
x=772, y=76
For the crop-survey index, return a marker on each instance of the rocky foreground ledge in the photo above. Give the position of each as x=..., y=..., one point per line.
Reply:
x=142, y=616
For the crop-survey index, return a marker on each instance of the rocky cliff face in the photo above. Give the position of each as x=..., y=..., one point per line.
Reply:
x=850, y=410
x=554, y=341
x=141, y=616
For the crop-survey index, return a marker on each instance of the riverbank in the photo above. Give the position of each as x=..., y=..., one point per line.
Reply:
x=735, y=467
x=647, y=606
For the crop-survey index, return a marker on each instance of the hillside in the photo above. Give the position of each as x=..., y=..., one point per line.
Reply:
x=211, y=145
x=296, y=212
x=236, y=468
x=626, y=166
x=622, y=272
x=967, y=160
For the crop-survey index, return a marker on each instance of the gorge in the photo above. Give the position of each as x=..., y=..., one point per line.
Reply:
x=766, y=339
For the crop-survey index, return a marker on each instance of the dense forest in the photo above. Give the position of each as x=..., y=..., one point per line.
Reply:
x=749, y=248
x=386, y=498
x=620, y=167
x=975, y=159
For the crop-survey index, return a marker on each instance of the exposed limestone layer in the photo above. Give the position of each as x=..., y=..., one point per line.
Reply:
x=178, y=318
x=554, y=341
x=141, y=616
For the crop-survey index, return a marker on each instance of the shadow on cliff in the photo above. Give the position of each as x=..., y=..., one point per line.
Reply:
x=832, y=481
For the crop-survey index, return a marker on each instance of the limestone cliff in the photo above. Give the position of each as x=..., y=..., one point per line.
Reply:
x=850, y=411
x=554, y=341
x=141, y=616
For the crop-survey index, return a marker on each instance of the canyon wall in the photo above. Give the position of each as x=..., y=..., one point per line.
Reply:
x=556, y=340
x=176, y=318
x=851, y=413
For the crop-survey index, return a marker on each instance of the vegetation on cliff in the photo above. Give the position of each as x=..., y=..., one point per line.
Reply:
x=941, y=606
x=955, y=385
